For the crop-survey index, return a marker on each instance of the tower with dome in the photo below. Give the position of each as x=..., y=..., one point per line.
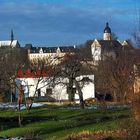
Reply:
x=107, y=32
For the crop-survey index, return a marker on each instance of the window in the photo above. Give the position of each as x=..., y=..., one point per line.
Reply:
x=48, y=91
x=74, y=90
x=85, y=79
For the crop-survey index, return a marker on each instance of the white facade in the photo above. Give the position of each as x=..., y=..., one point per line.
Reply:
x=59, y=91
x=50, y=54
x=96, y=50
x=42, y=55
x=49, y=58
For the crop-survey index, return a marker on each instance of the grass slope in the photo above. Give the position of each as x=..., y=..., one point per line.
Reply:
x=55, y=124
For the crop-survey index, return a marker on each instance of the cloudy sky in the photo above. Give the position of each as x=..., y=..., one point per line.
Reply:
x=66, y=22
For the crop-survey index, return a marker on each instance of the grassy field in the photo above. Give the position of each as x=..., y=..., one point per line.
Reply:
x=55, y=124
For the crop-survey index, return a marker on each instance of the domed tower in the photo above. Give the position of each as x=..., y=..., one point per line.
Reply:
x=107, y=32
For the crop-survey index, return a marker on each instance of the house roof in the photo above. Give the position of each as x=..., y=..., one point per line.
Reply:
x=52, y=49
x=67, y=48
x=9, y=43
x=110, y=44
x=44, y=49
x=34, y=73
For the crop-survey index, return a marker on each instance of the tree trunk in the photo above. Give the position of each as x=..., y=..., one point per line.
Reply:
x=30, y=106
x=11, y=99
x=136, y=107
x=19, y=119
x=70, y=90
x=80, y=93
x=114, y=97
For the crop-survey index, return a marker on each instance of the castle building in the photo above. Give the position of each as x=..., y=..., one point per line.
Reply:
x=107, y=46
x=49, y=54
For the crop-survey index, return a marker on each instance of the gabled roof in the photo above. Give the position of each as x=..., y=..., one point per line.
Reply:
x=9, y=43
x=127, y=45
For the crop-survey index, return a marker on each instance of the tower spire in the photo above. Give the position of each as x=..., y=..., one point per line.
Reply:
x=107, y=24
x=12, y=35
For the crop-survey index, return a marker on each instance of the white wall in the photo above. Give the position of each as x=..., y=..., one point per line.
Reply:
x=107, y=36
x=59, y=91
x=96, y=50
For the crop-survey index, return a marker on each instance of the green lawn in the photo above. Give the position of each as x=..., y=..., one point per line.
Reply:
x=55, y=124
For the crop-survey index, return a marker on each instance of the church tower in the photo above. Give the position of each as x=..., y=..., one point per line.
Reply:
x=107, y=32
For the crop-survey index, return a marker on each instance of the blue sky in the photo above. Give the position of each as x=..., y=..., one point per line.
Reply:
x=66, y=22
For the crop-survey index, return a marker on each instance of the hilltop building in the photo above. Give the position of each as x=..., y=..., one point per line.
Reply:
x=107, y=46
x=12, y=43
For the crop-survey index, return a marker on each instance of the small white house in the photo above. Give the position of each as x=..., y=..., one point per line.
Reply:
x=58, y=91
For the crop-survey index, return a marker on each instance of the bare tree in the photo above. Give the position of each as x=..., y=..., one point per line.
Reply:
x=71, y=67
x=42, y=72
x=116, y=75
x=11, y=59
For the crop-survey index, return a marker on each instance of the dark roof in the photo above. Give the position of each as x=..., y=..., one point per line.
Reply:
x=53, y=49
x=67, y=49
x=107, y=28
x=110, y=44
x=28, y=46
x=45, y=50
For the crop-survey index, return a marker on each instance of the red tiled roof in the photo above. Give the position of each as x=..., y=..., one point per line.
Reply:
x=33, y=73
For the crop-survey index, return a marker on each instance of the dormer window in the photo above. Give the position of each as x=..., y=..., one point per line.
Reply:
x=41, y=50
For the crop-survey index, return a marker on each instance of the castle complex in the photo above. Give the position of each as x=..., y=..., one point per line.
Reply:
x=99, y=49
x=107, y=45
